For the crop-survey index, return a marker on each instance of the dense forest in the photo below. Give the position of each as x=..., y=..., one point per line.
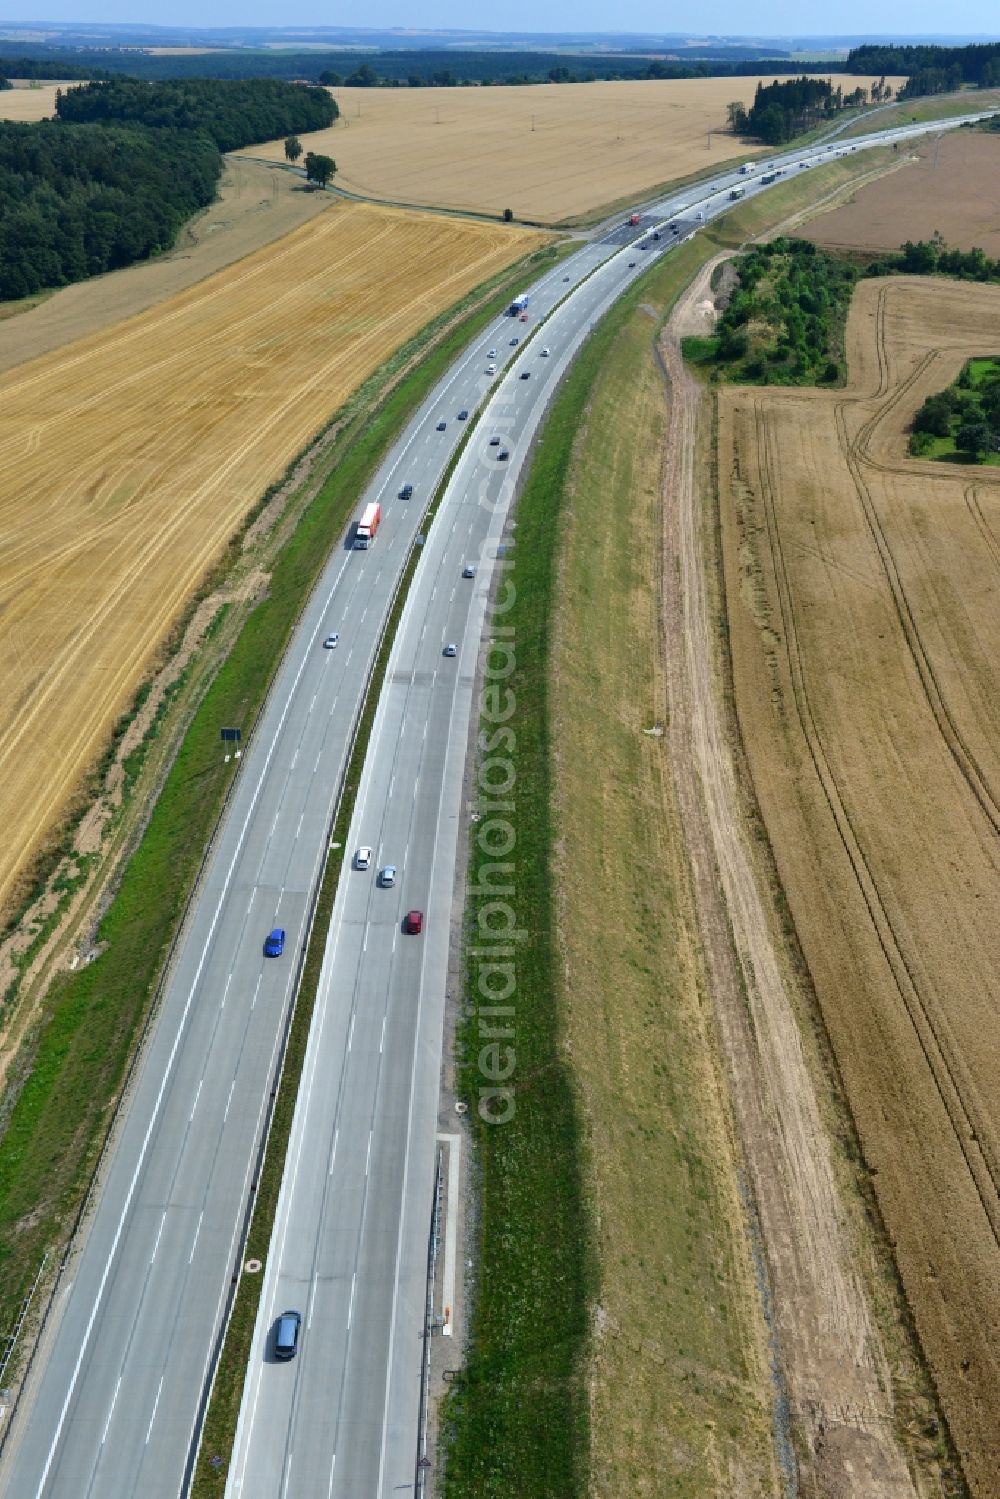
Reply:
x=114, y=177
x=444, y=67
x=782, y=110
x=931, y=69
x=235, y=113
x=75, y=200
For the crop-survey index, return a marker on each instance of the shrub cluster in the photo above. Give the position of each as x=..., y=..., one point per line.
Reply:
x=784, y=322
x=967, y=412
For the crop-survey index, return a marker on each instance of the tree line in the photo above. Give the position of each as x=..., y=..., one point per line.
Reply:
x=76, y=200
x=931, y=69
x=413, y=67
x=234, y=112
x=784, y=109
x=932, y=257
x=114, y=177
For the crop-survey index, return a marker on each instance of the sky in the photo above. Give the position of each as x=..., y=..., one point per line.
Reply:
x=721, y=17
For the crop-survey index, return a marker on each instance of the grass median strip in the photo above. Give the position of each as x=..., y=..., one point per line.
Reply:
x=60, y=1117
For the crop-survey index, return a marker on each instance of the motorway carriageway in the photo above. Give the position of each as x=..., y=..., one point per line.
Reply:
x=113, y=1404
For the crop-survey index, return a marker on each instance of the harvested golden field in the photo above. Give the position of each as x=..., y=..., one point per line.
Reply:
x=862, y=593
x=256, y=205
x=950, y=185
x=26, y=103
x=551, y=153
x=130, y=456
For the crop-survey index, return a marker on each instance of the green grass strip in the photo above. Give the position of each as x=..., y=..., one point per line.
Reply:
x=516, y=1420
x=94, y=1017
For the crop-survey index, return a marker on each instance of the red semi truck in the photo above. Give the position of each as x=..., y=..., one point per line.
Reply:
x=367, y=526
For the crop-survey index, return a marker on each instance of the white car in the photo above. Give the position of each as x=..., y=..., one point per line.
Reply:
x=545, y=353
x=451, y=649
x=363, y=857
x=330, y=642
x=387, y=876
x=492, y=354
x=491, y=369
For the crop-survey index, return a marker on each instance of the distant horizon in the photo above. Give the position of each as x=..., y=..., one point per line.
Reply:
x=450, y=19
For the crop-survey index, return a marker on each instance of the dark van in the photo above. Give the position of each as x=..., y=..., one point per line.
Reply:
x=286, y=1335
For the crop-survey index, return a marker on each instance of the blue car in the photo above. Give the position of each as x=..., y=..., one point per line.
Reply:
x=275, y=944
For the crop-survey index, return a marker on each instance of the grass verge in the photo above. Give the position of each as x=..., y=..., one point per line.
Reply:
x=518, y=1419
x=93, y=1018
x=614, y=1298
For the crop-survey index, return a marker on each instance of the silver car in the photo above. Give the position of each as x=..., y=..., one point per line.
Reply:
x=387, y=876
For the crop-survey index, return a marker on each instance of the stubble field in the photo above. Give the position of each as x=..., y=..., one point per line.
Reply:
x=30, y=104
x=862, y=595
x=951, y=184
x=551, y=154
x=131, y=455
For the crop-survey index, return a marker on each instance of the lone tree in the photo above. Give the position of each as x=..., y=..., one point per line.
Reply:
x=319, y=169
x=293, y=148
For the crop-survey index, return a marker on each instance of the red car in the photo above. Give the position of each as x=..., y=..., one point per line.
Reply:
x=414, y=922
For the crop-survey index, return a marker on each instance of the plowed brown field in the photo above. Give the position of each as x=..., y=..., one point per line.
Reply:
x=549, y=153
x=952, y=185
x=863, y=592
x=130, y=456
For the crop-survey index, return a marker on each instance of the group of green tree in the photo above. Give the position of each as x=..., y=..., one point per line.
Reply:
x=76, y=200
x=114, y=177
x=931, y=69
x=319, y=169
x=784, y=322
x=964, y=418
x=234, y=112
x=784, y=109
x=930, y=257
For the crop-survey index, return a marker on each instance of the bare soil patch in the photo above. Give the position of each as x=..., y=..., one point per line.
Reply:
x=950, y=184
x=257, y=204
x=862, y=596
x=131, y=456
x=550, y=153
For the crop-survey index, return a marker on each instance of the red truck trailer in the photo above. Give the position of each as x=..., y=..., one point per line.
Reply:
x=367, y=526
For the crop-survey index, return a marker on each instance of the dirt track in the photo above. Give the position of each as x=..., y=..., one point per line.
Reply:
x=862, y=592
x=828, y=1346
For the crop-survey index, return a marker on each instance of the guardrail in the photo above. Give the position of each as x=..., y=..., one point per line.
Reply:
x=423, y=1469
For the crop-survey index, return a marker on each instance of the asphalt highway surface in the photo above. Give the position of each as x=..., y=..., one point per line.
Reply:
x=114, y=1400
